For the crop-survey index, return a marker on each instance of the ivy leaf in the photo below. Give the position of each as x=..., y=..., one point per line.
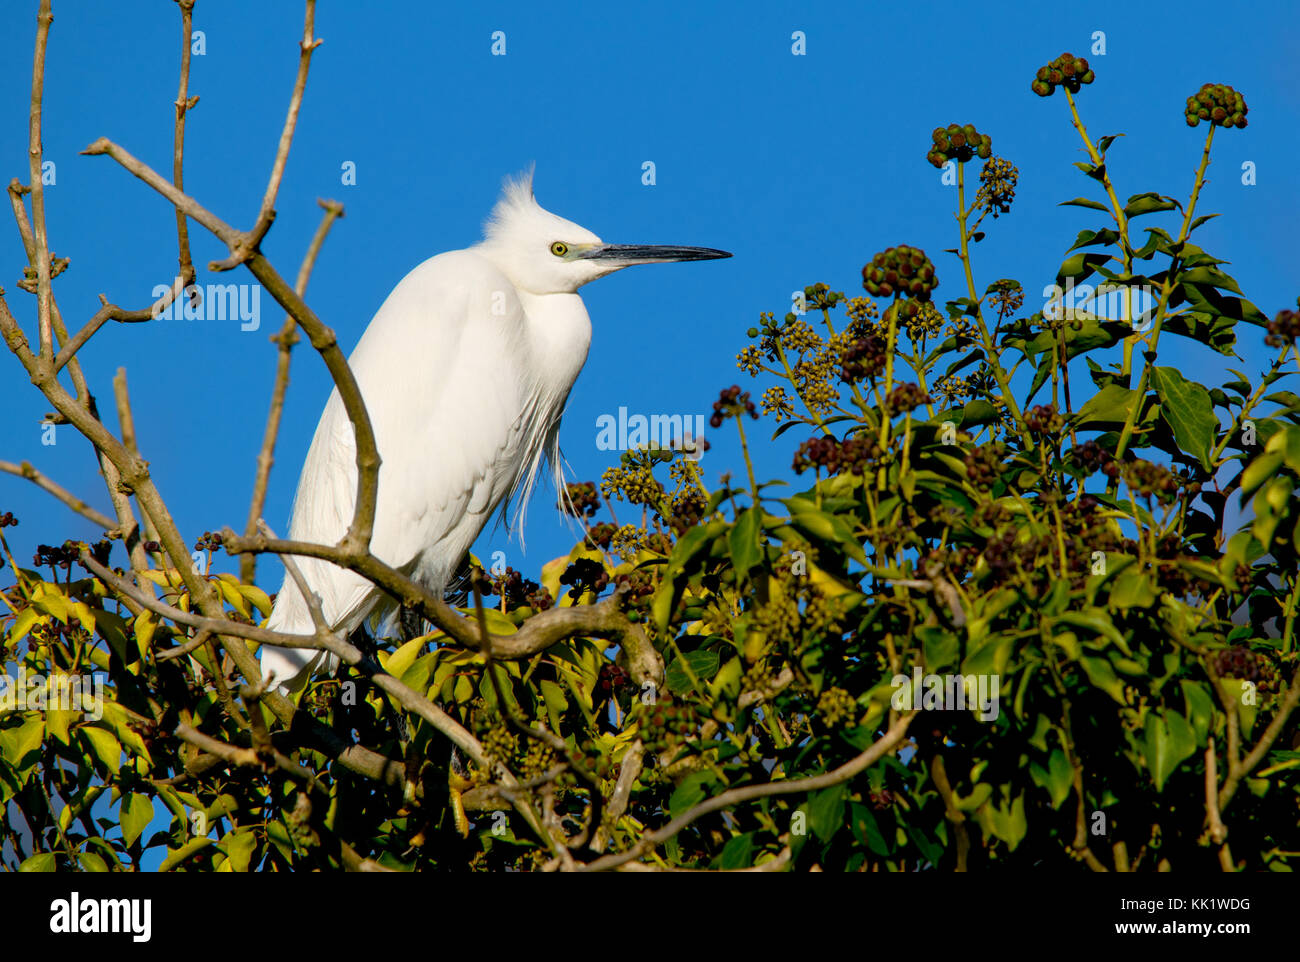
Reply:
x=1200, y=708
x=743, y=541
x=1091, y=238
x=1213, y=277
x=135, y=815
x=1084, y=202
x=1097, y=172
x=1148, y=203
x=1169, y=741
x=703, y=663
x=239, y=847
x=1078, y=266
x=104, y=746
x=1109, y=405
x=1188, y=410
x=866, y=831
x=42, y=862
x=737, y=853
x=1057, y=777
x=690, y=792
x=1103, y=145
x=826, y=812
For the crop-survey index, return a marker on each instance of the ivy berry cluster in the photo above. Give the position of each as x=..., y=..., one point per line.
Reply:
x=902, y=270
x=960, y=143
x=1219, y=104
x=1066, y=71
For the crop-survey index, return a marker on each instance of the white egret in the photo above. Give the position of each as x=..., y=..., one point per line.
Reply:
x=465, y=371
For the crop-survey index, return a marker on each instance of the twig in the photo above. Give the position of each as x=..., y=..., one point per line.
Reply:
x=286, y=339
x=34, y=152
x=248, y=242
x=735, y=796
x=111, y=312
x=604, y=619
x=25, y=470
x=184, y=103
x=347, y=653
x=1238, y=771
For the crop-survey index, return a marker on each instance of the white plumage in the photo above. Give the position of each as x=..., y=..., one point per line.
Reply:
x=465, y=371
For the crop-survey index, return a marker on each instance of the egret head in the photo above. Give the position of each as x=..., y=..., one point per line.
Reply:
x=546, y=254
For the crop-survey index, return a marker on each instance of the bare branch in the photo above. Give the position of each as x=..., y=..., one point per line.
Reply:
x=250, y=240
x=183, y=104
x=1239, y=770
x=605, y=619
x=877, y=750
x=111, y=312
x=286, y=339
x=347, y=653
x=25, y=470
x=192, y=208
x=34, y=152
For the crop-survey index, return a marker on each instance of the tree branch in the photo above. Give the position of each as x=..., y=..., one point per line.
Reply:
x=286, y=339
x=877, y=750
x=25, y=470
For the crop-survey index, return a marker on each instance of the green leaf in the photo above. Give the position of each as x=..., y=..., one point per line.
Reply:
x=1057, y=777
x=1081, y=265
x=136, y=813
x=1148, y=203
x=1212, y=277
x=976, y=412
x=177, y=856
x=1096, y=171
x=737, y=853
x=1110, y=405
x=866, y=830
x=1006, y=822
x=826, y=811
x=557, y=703
x=692, y=790
x=826, y=528
x=1169, y=741
x=931, y=852
x=104, y=746
x=18, y=742
x=404, y=657
x=90, y=862
x=1091, y=238
x=1200, y=708
x=702, y=662
x=743, y=541
x=42, y=862
x=1131, y=589
x=1103, y=676
x=1199, y=221
x=239, y=847
x=1084, y=202
x=1188, y=410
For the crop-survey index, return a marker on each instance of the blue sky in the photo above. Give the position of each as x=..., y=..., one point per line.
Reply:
x=803, y=166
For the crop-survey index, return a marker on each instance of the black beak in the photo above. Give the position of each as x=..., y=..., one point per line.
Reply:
x=628, y=254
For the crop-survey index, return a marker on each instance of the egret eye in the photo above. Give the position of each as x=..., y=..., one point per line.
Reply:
x=559, y=248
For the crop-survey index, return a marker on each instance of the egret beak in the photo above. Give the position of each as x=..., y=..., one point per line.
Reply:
x=625, y=255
